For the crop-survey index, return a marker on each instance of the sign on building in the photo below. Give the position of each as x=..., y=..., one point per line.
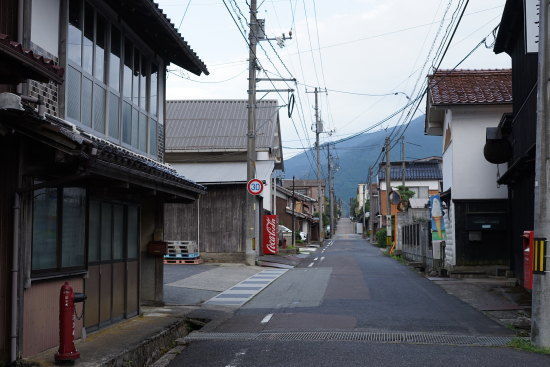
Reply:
x=270, y=243
x=531, y=11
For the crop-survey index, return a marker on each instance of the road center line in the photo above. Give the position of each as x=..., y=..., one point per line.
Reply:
x=310, y=265
x=266, y=319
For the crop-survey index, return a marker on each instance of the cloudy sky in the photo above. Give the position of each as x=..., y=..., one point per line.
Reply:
x=359, y=46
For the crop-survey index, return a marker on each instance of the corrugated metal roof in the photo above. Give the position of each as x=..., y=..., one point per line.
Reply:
x=414, y=171
x=213, y=125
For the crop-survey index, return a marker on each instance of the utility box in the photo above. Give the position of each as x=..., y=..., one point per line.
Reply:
x=359, y=227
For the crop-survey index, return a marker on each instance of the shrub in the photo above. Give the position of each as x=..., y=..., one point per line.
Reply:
x=381, y=237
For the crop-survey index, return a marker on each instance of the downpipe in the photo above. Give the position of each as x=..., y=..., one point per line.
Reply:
x=14, y=278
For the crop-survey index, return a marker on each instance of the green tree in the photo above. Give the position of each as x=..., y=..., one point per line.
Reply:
x=405, y=193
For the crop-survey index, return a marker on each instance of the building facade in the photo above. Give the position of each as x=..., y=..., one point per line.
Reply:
x=423, y=177
x=461, y=105
x=513, y=143
x=295, y=211
x=83, y=184
x=206, y=141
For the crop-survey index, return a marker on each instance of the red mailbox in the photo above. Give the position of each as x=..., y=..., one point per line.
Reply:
x=528, y=240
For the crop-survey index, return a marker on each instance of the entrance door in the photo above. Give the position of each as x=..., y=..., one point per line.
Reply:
x=113, y=266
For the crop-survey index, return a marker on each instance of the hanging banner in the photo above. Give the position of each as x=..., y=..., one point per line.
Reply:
x=270, y=226
x=436, y=214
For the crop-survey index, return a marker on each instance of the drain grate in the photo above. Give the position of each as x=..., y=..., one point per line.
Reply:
x=365, y=336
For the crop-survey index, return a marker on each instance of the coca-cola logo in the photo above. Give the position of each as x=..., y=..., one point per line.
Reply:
x=270, y=237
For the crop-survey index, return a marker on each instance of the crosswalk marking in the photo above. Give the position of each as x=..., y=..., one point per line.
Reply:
x=242, y=292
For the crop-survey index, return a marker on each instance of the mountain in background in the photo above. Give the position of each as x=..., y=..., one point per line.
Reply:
x=355, y=156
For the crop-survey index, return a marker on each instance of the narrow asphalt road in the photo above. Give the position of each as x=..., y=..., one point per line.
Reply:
x=349, y=288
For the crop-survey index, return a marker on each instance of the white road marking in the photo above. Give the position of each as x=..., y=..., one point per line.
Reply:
x=315, y=259
x=266, y=319
x=236, y=361
x=322, y=258
x=310, y=265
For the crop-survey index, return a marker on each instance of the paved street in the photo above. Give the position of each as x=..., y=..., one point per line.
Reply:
x=349, y=305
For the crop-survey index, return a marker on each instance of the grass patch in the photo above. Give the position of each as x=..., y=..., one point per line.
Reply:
x=525, y=344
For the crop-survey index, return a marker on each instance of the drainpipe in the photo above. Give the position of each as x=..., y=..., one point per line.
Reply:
x=15, y=278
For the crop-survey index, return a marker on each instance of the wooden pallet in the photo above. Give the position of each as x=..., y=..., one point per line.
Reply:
x=183, y=261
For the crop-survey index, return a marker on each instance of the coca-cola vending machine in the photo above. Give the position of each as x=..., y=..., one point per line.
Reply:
x=270, y=224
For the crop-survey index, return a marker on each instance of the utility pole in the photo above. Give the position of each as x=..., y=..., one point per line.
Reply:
x=320, y=196
x=388, y=191
x=331, y=190
x=403, y=167
x=293, y=212
x=251, y=201
x=540, y=320
x=371, y=214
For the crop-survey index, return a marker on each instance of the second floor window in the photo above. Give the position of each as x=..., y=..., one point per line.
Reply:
x=112, y=85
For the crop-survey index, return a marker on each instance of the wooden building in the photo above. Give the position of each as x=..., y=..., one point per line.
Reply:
x=513, y=142
x=206, y=141
x=295, y=212
x=83, y=184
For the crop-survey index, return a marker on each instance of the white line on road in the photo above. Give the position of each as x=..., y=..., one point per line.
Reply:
x=310, y=265
x=322, y=258
x=266, y=319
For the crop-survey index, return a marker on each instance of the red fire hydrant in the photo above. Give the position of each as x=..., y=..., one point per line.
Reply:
x=67, y=298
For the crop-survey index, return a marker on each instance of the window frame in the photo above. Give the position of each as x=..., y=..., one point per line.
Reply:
x=125, y=234
x=145, y=53
x=59, y=269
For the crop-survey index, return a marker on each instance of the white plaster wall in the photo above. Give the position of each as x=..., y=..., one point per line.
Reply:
x=45, y=25
x=432, y=185
x=447, y=168
x=472, y=176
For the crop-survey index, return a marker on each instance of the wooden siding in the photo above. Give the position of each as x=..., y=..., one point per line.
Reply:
x=8, y=179
x=522, y=136
x=493, y=249
x=40, y=320
x=221, y=220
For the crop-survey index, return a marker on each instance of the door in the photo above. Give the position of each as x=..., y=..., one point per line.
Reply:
x=113, y=265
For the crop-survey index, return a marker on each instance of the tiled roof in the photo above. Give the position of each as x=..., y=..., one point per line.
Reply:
x=100, y=150
x=298, y=196
x=414, y=171
x=217, y=125
x=467, y=87
x=45, y=69
x=149, y=21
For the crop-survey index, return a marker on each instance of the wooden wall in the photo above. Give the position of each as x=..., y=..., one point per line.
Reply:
x=8, y=147
x=221, y=220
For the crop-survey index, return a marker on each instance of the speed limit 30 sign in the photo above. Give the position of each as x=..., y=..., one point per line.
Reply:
x=255, y=187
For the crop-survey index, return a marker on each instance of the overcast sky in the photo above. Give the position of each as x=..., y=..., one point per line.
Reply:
x=366, y=46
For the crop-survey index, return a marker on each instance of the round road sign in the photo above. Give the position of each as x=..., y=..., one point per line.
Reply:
x=255, y=187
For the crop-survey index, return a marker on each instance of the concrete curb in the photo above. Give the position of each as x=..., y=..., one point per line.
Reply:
x=150, y=349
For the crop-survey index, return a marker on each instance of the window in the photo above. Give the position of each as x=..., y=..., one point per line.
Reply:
x=58, y=233
x=113, y=232
x=112, y=86
x=74, y=33
x=420, y=192
x=114, y=60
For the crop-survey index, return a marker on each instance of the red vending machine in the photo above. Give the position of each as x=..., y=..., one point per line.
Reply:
x=270, y=226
